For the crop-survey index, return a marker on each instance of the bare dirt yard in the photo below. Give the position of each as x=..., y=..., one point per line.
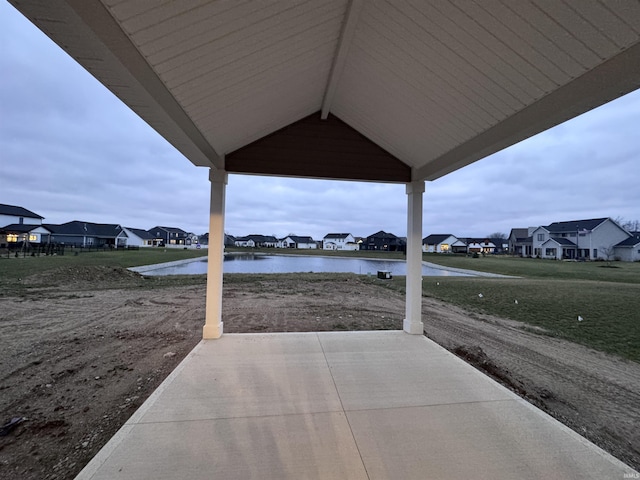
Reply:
x=83, y=348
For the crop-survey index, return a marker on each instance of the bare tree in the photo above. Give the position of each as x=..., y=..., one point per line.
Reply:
x=628, y=225
x=608, y=252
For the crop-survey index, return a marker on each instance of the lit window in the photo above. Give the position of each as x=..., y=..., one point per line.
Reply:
x=33, y=238
x=12, y=238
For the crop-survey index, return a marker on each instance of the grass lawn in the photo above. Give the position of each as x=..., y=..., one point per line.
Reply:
x=12, y=269
x=550, y=295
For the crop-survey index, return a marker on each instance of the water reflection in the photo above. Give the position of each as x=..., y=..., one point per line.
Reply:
x=252, y=263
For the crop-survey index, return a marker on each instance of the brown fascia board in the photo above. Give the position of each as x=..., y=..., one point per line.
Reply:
x=316, y=148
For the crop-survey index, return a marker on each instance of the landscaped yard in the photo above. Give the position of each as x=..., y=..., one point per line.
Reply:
x=551, y=295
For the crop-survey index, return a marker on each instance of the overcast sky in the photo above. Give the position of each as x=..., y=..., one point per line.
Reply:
x=70, y=150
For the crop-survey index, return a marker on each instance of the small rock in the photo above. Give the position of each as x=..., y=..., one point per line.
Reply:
x=97, y=378
x=169, y=354
x=85, y=444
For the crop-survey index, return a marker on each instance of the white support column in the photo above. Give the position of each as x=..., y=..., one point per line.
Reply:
x=213, y=323
x=413, y=317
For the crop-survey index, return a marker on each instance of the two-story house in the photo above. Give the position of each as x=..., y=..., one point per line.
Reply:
x=588, y=239
x=384, y=241
x=169, y=236
x=19, y=225
x=339, y=241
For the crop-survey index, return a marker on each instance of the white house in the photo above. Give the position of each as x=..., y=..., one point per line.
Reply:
x=629, y=249
x=12, y=214
x=480, y=245
x=135, y=237
x=339, y=241
x=24, y=233
x=443, y=243
x=295, y=241
x=590, y=239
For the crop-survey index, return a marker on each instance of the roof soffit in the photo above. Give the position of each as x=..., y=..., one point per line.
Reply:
x=435, y=84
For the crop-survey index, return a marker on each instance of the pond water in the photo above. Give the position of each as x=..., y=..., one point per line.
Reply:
x=250, y=263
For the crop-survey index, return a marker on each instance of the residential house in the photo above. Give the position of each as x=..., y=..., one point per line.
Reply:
x=578, y=239
x=520, y=241
x=384, y=241
x=296, y=241
x=502, y=244
x=136, y=237
x=255, y=240
x=17, y=233
x=13, y=214
x=339, y=241
x=87, y=234
x=480, y=245
x=443, y=243
x=628, y=250
x=169, y=236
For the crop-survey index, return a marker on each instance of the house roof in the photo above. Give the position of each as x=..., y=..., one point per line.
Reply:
x=435, y=85
x=17, y=211
x=632, y=241
x=565, y=242
x=575, y=225
x=257, y=238
x=300, y=239
x=143, y=234
x=481, y=241
x=519, y=233
x=80, y=228
x=336, y=235
x=382, y=234
x=168, y=229
x=20, y=228
x=436, y=238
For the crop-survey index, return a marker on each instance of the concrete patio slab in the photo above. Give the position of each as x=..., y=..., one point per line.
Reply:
x=340, y=405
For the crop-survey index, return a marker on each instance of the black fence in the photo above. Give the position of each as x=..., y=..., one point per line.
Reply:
x=20, y=249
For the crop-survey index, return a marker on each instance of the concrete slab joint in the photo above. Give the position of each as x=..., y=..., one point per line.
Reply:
x=413, y=319
x=213, y=317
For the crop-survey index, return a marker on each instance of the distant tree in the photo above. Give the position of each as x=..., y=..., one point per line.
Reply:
x=628, y=225
x=500, y=235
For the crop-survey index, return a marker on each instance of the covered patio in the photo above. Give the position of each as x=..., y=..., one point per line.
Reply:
x=380, y=91
x=340, y=405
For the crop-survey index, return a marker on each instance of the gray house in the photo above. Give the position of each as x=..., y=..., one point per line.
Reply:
x=520, y=241
x=628, y=250
x=86, y=234
x=169, y=236
x=588, y=239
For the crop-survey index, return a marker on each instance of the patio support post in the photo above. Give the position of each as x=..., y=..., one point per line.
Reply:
x=213, y=320
x=413, y=319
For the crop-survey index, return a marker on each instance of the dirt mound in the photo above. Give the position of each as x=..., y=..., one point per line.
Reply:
x=78, y=275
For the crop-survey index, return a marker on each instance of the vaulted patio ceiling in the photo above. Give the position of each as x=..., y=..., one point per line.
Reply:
x=434, y=85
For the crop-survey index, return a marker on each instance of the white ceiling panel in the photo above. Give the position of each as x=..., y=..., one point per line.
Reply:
x=438, y=84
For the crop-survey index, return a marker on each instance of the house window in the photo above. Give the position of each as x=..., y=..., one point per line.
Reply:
x=550, y=252
x=33, y=238
x=595, y=253
x=12, y=238
x=541, y=237
x=444, y=247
